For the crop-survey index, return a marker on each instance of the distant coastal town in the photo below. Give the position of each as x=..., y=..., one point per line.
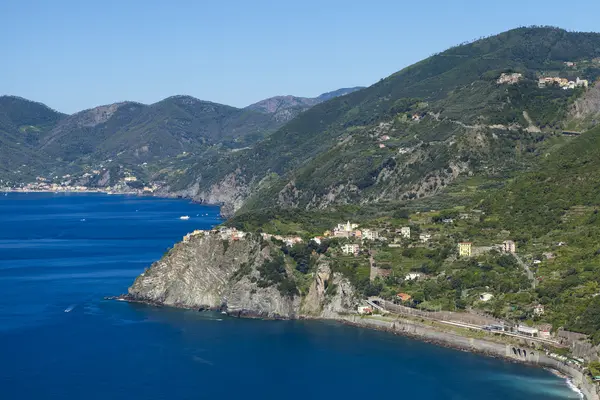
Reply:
x=68, y=184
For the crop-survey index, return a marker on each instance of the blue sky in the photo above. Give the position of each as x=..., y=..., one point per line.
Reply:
x=77, y=54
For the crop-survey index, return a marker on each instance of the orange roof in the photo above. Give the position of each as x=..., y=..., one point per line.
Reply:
x=404, y=296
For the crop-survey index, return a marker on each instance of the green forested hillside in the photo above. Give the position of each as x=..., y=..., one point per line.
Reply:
x=161, y=137
x=413, y=133
x=22, y=125
x=558, y=204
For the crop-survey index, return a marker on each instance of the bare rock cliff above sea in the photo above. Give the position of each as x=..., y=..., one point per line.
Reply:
x=218, y=270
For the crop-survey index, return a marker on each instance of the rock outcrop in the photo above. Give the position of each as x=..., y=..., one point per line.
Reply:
x=223, y=270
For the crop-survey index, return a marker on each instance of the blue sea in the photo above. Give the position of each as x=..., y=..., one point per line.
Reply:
x=60, y=254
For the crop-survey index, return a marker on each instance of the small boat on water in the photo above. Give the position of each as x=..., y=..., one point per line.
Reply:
x=184, y=217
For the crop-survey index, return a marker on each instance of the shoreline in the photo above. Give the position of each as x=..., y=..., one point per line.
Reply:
x=118, y=193
x=575, y=379
x=500, y=349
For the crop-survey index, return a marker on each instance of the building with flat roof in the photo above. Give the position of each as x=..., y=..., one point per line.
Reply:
x=465, y=249
x=508, y=246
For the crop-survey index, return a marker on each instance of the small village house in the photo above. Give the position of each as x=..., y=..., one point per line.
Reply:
x=365, y=310
x=424, y=237
x=509, y=246
x=404, y=296
x=485, y=297
x=370, y=234
x=351, y=248
x=538, y=310
x=345, y=230
x=412, y=276
x=465, y=249
x=405, y=232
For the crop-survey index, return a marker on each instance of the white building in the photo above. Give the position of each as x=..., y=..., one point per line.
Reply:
x=581, y=82
x=508, y=246
x=351, y=249
x=365, y=310
x=344, y=230
x=538, y=310
x=528, y=331
x=412, y=276
x=370, y=234
x=424, y=237
x=405, y=232
x=486, y=297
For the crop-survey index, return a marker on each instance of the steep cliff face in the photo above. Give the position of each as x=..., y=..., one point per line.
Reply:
x=221, y=270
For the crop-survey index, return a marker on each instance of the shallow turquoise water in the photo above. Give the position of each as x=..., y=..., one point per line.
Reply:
x=66, y=252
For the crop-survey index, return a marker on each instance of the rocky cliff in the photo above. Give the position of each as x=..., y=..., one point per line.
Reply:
x=239, y=273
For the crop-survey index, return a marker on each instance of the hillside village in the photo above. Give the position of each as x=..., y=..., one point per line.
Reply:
x=411, y=268
x=419, y=263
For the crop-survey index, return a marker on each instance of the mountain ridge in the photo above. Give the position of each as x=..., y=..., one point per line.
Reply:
x=286, y=107
x=129, y=133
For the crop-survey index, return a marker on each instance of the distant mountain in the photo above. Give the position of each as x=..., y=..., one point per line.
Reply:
x=23, y=124
x=285, y=108
x=338, y=93
x=145, y=132
x=36, y=140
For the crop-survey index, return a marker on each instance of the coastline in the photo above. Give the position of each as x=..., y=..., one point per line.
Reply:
x=158, y=195
x=576, y=379
x=511, y=351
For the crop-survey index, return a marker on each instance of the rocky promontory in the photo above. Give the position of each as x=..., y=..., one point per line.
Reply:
x=245, y=275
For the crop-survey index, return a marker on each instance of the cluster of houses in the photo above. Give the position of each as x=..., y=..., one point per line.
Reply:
x=288, y=240
x=225, y=233
x=350, y=230
x=509, y=79
x=562, y=82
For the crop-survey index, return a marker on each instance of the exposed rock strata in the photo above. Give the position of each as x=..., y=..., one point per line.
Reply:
x=214, y=271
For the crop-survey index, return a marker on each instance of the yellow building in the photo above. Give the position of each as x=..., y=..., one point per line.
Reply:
x=464, y=249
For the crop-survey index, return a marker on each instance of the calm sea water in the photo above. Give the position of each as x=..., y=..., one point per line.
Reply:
x=66, y=252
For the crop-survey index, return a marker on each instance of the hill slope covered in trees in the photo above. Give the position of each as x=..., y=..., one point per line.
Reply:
x=412, y=134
